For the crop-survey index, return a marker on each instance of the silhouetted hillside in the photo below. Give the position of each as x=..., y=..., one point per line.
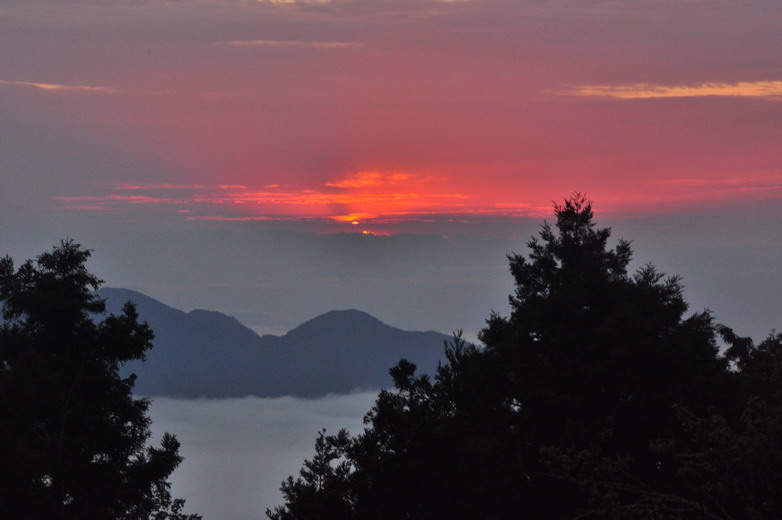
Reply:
x=208, y=354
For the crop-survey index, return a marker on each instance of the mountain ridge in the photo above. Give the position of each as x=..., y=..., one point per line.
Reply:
x=209, y=354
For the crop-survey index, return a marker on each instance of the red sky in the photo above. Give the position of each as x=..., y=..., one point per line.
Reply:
x=391, y=110
x=208, y=150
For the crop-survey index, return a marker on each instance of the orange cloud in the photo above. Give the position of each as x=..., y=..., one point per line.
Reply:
x=60, y=87
x=362, y=197
x=162, y=186
x=769, y=90
x=357, y=198
x=375, y=179
x=353, y=218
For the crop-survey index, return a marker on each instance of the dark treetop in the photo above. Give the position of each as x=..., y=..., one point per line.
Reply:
x=72, y=437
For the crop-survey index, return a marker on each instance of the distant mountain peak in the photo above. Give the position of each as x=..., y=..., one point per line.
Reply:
x=347, y=315
x=116, y=297
x=341, y=320
x=105, y=292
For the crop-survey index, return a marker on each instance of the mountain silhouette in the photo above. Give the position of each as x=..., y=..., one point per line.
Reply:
x=208, y=354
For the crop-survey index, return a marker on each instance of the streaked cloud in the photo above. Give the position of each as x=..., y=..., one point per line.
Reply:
x=770, y=90
x=694, y=181
x=315, y=197
x=221, y=218
x=354, y=218
x=291, y=2
x=114, y=199
x=54, y=87
x=524, y=208
x=292, y=43
x=373, y=179
x=161, y=186
x=359, y=196
x=366, y=196
x=729, y=185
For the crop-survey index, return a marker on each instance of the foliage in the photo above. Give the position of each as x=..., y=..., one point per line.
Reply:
x=72, y=436
x=319, y=493
x=735, y=465
x=597, y=397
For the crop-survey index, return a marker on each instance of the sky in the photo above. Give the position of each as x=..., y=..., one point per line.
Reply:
x=277, y=159
x=381, y=111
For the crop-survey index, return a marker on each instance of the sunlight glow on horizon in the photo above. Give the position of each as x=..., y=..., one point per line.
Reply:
x=375, y=197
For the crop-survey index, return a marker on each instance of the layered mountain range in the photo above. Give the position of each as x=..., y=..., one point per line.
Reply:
x=209, y=354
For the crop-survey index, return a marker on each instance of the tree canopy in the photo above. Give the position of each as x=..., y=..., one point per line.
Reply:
x=597, y=397
x=72, y=436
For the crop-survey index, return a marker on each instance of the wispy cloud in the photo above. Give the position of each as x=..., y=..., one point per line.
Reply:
x=729, y=185
x=523, y=208
x=223, y=218
x=291, y=2
x=114, y=199
x=54, y=87
x=770, y=90
x=292, y=43
x=321, y=198
x=161, y=186
x=362, y=196
x=744, y=180
x=355, y=197
x=374, y=179
x=353, y=218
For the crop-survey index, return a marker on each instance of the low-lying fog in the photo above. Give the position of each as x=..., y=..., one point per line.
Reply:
x=238, y=451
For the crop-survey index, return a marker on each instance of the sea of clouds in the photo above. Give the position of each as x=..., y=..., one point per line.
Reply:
x=238, y=451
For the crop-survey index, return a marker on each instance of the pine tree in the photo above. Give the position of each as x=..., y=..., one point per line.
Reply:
x=72, y=436
x=597, y=397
